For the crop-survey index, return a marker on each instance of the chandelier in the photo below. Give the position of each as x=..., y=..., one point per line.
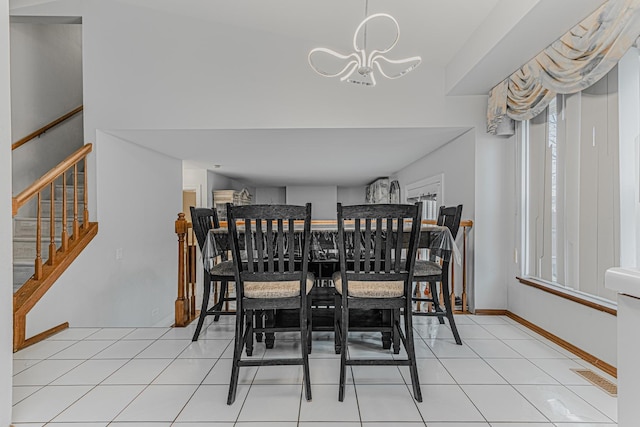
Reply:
x=359, y=66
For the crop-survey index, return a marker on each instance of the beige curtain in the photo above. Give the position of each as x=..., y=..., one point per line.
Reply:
x=572, y=63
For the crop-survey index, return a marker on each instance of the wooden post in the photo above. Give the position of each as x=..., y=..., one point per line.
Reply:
x=85, y=212
x=19, y=331
x=52, y=225
x=38, y=261
x=76, y=226
x=181, y=306
x=65, y=235
x=465, y=307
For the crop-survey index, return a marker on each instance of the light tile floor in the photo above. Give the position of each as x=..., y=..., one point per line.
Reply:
x=503, y=376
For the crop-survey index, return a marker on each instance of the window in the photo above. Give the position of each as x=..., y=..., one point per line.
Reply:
x=570, y=185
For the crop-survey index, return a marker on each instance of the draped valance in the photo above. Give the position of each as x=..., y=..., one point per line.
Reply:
x=572, y=63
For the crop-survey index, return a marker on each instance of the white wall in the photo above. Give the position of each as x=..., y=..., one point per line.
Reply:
x=494, y=226
x=278, y=195
x=575, y=323
x=139, y=195
x=270, y=195
x=196, y=180
x=6, y=299
x=456, y=161
x=352, y=195
x=323, y=199
x=46, y=82
x=140, y=79
x=629, y=111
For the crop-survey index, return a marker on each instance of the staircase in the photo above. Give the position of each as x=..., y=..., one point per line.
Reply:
x=25, y=230
x=46, y=244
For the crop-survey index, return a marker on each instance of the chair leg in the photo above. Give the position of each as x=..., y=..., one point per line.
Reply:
x=224, y=284
x=411, y=353
x=259, y=322
x=304, y=336
x=449, y=314
x=436, y=304
x=387, y=337
x=237, y=353
x=395, y=336
x=343, y=354
x=337, y=341
x=205, y=304
x=416, y=293
x=269, y=322
x=249, y=332
x=309, y=326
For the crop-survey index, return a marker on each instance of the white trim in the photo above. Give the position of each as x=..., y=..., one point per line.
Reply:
x=413, y=190
x=198, y=190
x=570, y=291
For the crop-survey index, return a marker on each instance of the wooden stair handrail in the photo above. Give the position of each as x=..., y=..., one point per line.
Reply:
x=49, y=177
x=45, y=128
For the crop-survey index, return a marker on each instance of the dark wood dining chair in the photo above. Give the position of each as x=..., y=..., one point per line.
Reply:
x=204, y=219
x=274, y=275
x=376, y=274
x=432, y=272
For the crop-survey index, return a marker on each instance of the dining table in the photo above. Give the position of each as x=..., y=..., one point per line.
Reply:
x=323, y=262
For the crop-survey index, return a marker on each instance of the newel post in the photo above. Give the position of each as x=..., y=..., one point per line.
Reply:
x=181, y=306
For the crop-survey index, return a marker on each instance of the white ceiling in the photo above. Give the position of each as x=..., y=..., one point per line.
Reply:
x=279, y=157
x=445, y=29
x=440, y=27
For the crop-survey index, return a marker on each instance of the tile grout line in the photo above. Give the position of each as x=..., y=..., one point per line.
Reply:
x=94, y=387
x=199, y=385
x=154, y=378
x=252, y=382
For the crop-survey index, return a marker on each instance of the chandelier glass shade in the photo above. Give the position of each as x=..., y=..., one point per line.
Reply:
x=360, y=66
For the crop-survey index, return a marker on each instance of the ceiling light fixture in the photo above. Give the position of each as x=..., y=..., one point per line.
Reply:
x=359, y=66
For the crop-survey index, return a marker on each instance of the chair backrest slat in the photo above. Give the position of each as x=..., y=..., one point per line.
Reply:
x=399, y=242
x=387, y=255
x=356, y=245
x=367, y=245
x=270, y=247
x=291, y=246
x=248, y=244
x=384, y=242
x=259, y=245
x=203, y=220
x=450, y=216
x=378, y=245
x=274, y=245
x=281, y=239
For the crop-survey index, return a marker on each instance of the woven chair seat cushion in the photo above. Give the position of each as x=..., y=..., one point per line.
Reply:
x=425, y=268
x=276, y=289
x=224, y=268
x=370, y=289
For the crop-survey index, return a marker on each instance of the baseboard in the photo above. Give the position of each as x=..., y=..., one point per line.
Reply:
x=609, y=369
x=490, y=312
